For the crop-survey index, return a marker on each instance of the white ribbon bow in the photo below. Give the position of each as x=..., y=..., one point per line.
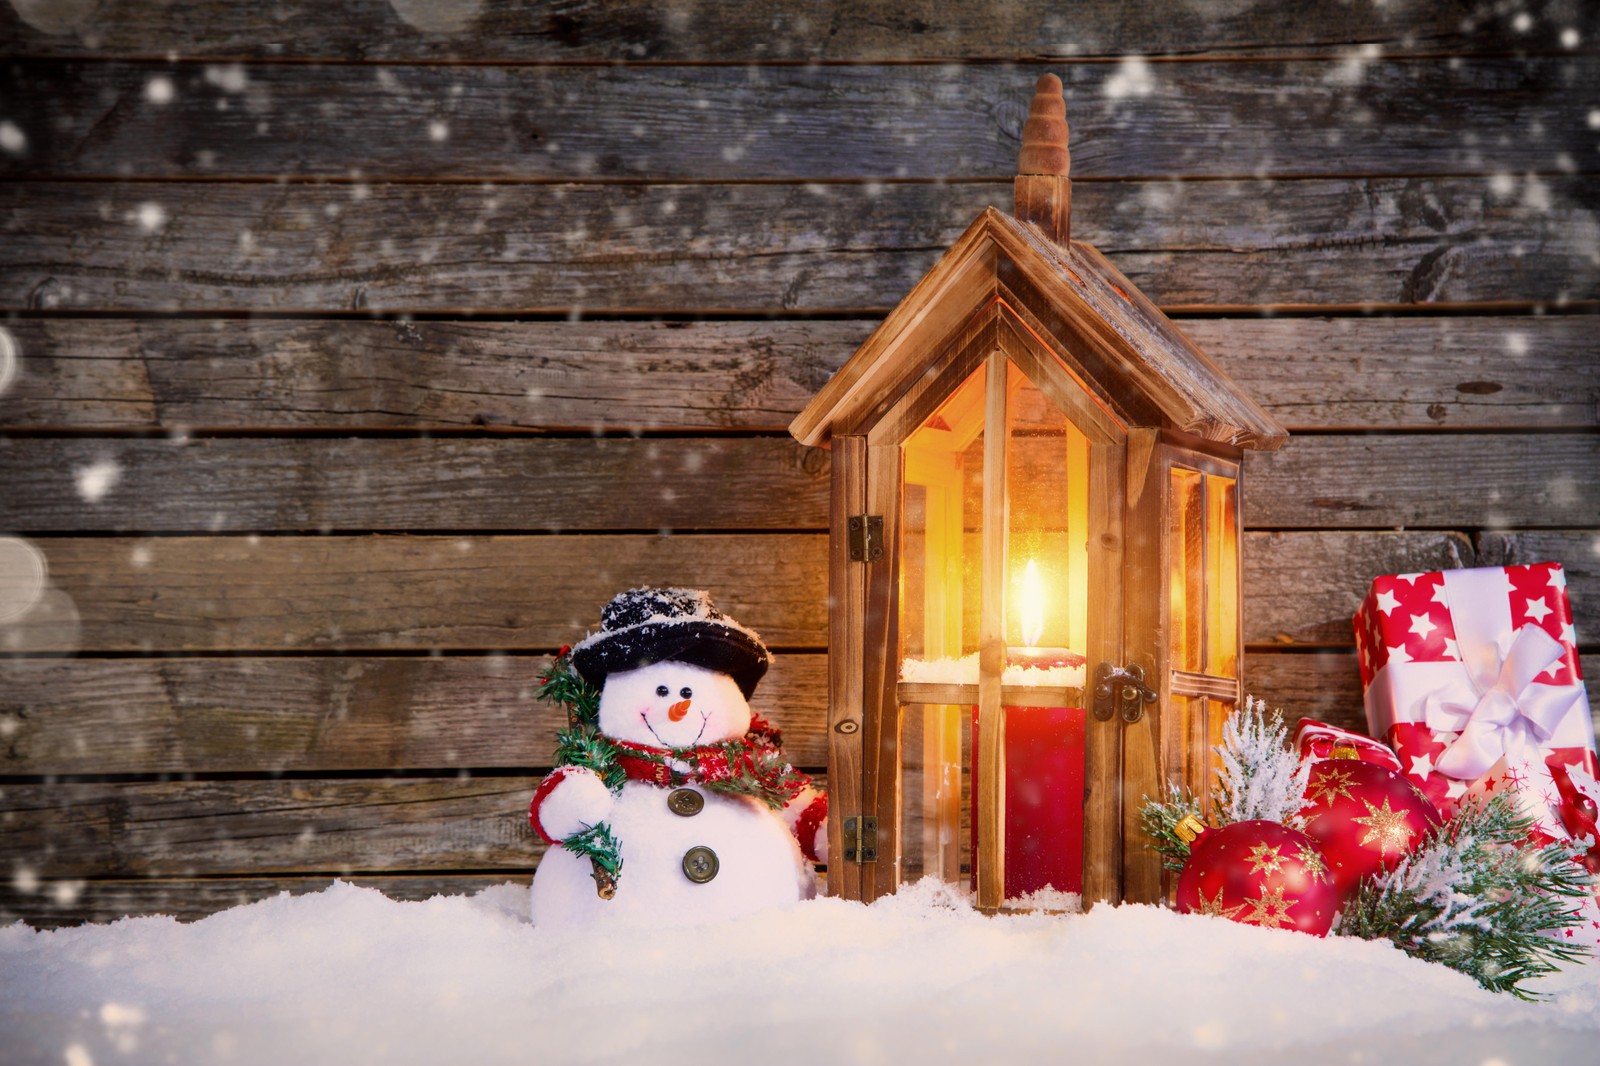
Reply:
x=1497, y=708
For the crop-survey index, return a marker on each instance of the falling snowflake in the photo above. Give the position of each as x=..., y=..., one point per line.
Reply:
x=1133, y=78
x=8, y=359
x=97, y=479
x=230, y=78
x=150, y=216
x=13, y=140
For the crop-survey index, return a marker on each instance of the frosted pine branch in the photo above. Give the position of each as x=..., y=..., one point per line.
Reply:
x=1478, y=896
x=1258, y=775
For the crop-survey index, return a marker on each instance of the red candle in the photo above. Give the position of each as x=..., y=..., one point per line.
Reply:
x=1044, y=787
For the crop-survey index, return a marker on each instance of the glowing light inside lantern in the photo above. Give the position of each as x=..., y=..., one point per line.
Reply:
x=1030, y=605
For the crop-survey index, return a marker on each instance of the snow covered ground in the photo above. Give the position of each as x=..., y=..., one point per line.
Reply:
x=349, y=976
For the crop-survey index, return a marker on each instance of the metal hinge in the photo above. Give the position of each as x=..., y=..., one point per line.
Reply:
x=861, y=839
x=1133, y=694
x=866, y=537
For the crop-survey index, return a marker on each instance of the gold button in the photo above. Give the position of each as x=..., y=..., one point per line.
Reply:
x=686, y=801
x=700, y=864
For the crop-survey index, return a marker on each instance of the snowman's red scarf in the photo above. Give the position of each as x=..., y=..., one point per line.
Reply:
x=752, y=765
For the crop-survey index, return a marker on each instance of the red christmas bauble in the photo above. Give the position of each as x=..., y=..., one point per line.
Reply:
x=1259, y=873
x=1365, y=816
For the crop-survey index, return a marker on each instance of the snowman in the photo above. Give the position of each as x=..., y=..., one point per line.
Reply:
x=709, y=821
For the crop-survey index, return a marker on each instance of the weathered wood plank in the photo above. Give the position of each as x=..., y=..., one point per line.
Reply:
x=514, y=593
x=197, y=828
x=254, y=828
x=344, y=374
x=1578, y=552
x=1267, y=118
x=99, y=716
x=51, y=904
x=182, y=374
x=1402, y=373
x=762, y=247
x=1303, y=588
x=775, y=29
x=1327, y=685
x=519, y=593
x=228, y=485
x=225, y=485
x=1441, y=481
x=110, y=716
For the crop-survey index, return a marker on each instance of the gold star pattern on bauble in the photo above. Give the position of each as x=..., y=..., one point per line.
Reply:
x=1215, y=908
x=1387, y=827
x=1265, y=857
x=1270, y=911
x=1315, y=867
x=1333, y=783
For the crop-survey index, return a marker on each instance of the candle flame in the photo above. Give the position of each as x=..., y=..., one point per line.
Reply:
x=1030, y=605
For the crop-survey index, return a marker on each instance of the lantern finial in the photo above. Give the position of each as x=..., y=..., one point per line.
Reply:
x=1043, y=188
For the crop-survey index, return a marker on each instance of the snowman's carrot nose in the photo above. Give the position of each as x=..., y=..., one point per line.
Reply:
x=676, y=712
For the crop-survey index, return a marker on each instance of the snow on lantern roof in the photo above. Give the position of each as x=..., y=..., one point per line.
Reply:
x=1025, y=270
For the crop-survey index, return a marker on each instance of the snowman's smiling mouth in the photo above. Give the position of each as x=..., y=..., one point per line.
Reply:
x=705, y=720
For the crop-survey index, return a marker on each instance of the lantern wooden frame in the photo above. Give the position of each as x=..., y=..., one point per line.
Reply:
x=1167, y=429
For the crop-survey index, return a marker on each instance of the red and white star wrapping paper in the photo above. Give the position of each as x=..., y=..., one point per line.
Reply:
x=1435, y=647
x=1472, y=677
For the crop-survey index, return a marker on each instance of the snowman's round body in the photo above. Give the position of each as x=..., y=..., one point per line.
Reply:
x=689, y=854
x=754, y=862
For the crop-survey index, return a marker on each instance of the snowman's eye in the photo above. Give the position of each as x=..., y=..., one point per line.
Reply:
x=661, y=690
x=686, y=692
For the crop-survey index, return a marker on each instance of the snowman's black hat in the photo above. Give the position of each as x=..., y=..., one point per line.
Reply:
x=653, y=625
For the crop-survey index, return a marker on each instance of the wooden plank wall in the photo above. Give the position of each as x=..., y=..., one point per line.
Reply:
x=357, y=351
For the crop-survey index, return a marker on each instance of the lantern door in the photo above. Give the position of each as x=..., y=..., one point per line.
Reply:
x=1203, y=682
x=1001, y=482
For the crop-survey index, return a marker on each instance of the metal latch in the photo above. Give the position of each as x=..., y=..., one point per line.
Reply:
x=1119, y=684
x=866, y=537
x=861, y=839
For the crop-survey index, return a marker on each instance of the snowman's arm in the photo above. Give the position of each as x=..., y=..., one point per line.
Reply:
x=807, y=818
x=568, y=801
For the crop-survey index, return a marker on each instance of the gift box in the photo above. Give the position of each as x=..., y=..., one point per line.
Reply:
x=1462, y=669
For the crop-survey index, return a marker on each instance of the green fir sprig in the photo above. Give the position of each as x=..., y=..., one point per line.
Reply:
x=603, y=852
x=561, y=684
x=581, y=744
x=1160, y=820
x=1477, y=896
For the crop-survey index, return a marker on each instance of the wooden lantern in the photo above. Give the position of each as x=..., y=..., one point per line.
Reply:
x=1034, y=563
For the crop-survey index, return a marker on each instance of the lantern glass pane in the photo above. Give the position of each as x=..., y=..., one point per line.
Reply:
x=1203, y=547
x=1188, y=579
x=1222, y=566
x=1047, y=504
x=1191, y=722
x=940, y=540
x=941, y=535
x=935, y=834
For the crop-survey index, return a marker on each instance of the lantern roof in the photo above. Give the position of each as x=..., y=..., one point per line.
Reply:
x=1108, y=336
